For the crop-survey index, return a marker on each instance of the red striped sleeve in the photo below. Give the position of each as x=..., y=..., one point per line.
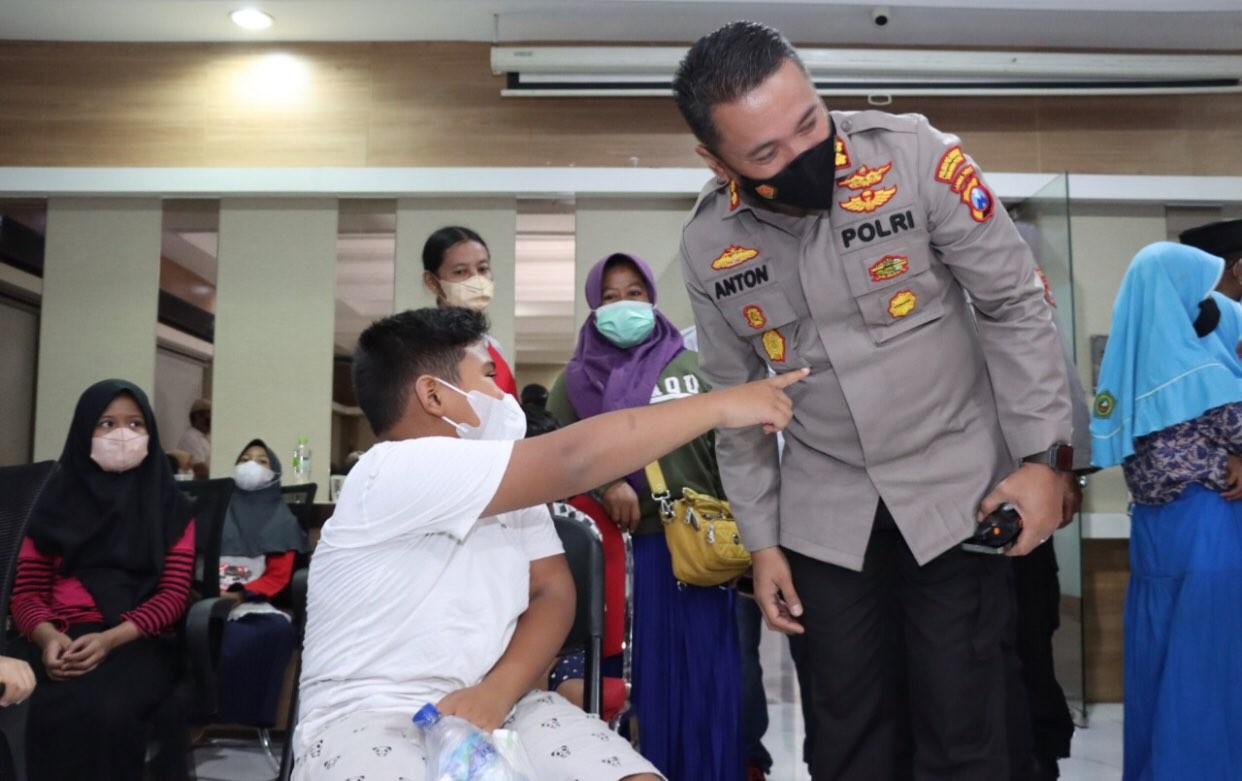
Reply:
x=169, y=601
x=31, y=603
x=276, y=575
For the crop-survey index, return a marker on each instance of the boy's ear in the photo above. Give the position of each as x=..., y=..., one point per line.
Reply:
x=428, y=395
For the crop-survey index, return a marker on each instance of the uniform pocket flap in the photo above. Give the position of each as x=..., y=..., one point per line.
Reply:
x=753, y=313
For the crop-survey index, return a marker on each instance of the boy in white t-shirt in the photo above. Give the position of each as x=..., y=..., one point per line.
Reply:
x=440, y=578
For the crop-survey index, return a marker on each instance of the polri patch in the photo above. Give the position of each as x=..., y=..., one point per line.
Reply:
x=879, y=228
x=865, y=177
x=902, y=303
x=735, y=198
x=952, y=160
x=734, y=256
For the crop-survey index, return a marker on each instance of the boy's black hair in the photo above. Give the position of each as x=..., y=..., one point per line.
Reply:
x=394, y=352
x=722, y=67
x=439, y=243
x=539, y=421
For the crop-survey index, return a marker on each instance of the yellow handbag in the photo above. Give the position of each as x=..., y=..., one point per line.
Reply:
x=701, y=533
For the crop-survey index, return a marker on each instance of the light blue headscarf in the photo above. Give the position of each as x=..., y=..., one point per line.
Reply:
x=1157, y=372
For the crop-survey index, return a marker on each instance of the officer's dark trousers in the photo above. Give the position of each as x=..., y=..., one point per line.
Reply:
x=909, y=674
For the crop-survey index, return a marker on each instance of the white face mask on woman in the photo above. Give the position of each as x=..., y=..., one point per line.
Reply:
x=474, y=293
x=251, y=476
x=120, y=450
x=499, y=419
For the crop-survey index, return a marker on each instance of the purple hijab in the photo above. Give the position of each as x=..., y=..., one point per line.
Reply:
x=602, y=377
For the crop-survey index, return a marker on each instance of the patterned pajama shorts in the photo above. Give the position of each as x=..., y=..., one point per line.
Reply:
x=562, y=741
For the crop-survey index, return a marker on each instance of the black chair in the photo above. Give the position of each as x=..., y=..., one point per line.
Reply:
x=301, y=500
x=20, y=488
x=194, y=698
x=584, y=550
x=298, y=598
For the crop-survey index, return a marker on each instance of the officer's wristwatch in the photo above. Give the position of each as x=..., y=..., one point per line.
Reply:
x=1059, y=457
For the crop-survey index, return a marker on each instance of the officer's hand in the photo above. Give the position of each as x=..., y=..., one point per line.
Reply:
x=621, y=504
x=762, y=402
x=774, y=591
x=18, y=680
x=1036, y=492
x=1071, y=503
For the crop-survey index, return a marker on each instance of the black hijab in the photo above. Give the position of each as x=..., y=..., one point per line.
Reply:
x=259, y=521
x=112, y=530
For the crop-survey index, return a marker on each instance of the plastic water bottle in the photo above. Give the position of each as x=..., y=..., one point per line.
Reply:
x=459, y=751
x=302, y=462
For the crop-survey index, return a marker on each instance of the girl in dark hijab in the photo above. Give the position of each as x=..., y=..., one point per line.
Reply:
x=101, y=579
x=260, y=541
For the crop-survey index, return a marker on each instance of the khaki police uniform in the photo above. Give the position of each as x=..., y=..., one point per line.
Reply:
x=917, y=405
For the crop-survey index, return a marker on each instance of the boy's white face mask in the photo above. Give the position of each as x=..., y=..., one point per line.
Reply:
x=499, y=419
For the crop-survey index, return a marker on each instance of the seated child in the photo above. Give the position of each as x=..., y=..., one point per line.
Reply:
x=441, y=578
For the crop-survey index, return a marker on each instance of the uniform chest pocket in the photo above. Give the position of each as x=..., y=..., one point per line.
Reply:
x=895, y=289
x=768, y=321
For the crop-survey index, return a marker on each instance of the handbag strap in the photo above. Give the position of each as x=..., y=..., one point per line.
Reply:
x=655, y=479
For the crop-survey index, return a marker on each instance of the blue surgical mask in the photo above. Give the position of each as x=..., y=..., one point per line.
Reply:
x=625, y=323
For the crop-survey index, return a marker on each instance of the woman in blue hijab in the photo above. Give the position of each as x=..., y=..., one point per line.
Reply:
x=1169, y=411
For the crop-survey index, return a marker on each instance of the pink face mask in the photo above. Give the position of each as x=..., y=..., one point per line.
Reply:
x=120, y=450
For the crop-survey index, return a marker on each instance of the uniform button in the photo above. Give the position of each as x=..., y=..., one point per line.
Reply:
x=847, y=125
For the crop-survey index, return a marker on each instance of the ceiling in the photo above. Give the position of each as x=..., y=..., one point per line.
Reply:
x=1154, y=24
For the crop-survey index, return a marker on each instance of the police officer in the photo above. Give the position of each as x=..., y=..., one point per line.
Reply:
x=847, y=242
x=1223, y=239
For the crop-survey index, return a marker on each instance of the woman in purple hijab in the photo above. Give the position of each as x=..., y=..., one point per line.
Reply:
x=687, y=676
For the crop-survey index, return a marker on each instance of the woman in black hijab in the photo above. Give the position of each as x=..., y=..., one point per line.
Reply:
x=101, y=579
x=260, y=541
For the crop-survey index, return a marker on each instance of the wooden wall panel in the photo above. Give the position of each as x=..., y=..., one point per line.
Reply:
x=1106, y=574
x=438, y=104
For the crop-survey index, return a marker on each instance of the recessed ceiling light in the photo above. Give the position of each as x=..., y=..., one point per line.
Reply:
x=251, y=19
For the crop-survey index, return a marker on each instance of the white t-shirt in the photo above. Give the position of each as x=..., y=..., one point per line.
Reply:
x=411, y=594
x=197, y=444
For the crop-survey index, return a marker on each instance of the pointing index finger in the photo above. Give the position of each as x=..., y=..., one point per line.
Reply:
x=789, y=378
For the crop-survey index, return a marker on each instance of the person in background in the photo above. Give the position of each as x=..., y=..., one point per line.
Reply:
x=179, y=461
x=534, y=395
x=1224, y=240
x=457, y=269
x=197, y=438
x=102, y=579
x=845, y=242
x=1169, y=411
x=258, y=547
x=686, y=666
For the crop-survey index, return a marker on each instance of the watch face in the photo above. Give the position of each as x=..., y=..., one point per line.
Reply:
x=1062, y=458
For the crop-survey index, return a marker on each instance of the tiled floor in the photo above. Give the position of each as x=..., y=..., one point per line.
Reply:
x=1096, y=753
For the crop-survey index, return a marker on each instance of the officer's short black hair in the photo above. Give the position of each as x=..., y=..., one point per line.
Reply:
x=394, y=352
x=724, y=66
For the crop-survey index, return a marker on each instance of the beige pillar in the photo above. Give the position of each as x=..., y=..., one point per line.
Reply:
x=101, y=273
x=495, y=219
x=649, y=228
x=275, y=312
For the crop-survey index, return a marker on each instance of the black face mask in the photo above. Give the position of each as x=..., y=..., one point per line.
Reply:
x=1209, y=317
x=808, y=182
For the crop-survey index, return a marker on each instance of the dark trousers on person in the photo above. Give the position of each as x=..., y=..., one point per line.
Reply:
x=909, y=672
x=253, y=656
x=1038, y=592
x=94, y=726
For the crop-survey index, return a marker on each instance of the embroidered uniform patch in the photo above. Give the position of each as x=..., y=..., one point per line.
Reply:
x=974, y=195
x=842, y=154
x=734, y=256
x=889, y=267
x=902, y=303
x=949, y=163
x=735, y=197
x=1104, y=404
x=869, y=200
x=774, y=346
x=755, y=318
x=865, y=177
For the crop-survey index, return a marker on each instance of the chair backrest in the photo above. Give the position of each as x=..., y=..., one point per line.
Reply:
x=584, y=551
x=209, y=506
x=20, y=488
x=297, y=590
x=618, y=575
x=300, y=498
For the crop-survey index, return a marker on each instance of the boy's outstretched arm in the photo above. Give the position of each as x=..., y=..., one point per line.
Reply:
x=540, y=632
x=599, y=449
